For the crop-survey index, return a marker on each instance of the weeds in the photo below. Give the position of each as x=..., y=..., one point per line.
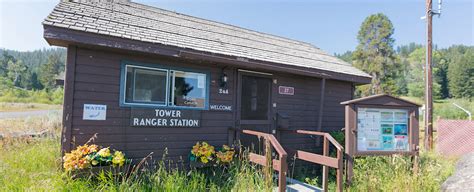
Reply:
x=50, y=123
x=26, y=106
x=35, y=165
x=394, y=173
x=15, y=95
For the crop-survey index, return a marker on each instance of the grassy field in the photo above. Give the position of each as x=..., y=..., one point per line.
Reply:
x=6, y=107
x=445, y=108
x=50, y=122
x=16, y=95
x=35, y=165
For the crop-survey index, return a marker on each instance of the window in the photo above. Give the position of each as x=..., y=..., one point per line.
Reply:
x=150, y=86
x=255, y=98
x=189, y=89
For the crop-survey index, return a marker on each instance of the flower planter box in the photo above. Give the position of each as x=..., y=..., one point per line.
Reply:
x=196, y=164
x=94, y=171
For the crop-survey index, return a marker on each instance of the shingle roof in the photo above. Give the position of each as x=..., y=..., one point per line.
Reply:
x=149, y=24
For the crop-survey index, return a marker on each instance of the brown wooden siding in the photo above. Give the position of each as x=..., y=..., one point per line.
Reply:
x=333, y=115
x=97, y=81
x=302, y=109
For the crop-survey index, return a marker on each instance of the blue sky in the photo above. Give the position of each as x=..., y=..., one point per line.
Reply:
x=331, y=25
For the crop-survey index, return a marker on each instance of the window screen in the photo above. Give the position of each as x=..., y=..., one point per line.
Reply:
x=255, y=98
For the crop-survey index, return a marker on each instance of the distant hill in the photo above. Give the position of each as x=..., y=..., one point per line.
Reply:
x=33, y=59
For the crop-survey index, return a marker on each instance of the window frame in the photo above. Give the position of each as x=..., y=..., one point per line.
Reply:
x=169, y=83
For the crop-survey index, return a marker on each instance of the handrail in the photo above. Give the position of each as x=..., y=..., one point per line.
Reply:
x=327, y=135
x=280, y=165
x=325, y=160
x=276, y=145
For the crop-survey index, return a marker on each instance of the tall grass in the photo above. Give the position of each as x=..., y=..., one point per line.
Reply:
x=26, y=106
x=16, y=95
x=445, y=109
x=395, y=173
x=34, y=165
x=30, y=165
x=50, y=123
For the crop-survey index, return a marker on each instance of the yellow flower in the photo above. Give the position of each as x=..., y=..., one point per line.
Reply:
x=195, y=150
x=105, y=152
x=204, y=159
x=119, y=158
x=93, y=148
x=225, y=147
x=94, y=162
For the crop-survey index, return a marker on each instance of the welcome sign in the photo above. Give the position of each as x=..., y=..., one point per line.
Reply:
x=165, y=118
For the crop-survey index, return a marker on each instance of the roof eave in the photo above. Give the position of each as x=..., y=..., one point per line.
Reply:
x=377, y=96
x=63, y=37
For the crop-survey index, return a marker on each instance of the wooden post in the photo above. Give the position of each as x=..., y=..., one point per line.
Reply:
x=339, y=175
x=325, y=168
x=230, y=136
x=321, y=104
x=350, y=122
x=282, y=174
x=66, y=134
x=429, y=80
x=268, y=163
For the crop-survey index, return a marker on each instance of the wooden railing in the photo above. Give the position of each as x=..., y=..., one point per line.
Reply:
x=325, y=160
x=267, y=161
x=281, y=165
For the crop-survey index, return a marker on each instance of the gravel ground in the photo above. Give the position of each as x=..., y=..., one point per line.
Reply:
x=463, y=177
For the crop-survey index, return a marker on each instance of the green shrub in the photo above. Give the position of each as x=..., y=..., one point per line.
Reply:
x=17, y=95
x=446, y=110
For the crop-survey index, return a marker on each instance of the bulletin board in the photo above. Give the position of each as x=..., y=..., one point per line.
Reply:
x=380, y=129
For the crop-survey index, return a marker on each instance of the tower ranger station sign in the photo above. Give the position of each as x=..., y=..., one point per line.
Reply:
x=140, y=117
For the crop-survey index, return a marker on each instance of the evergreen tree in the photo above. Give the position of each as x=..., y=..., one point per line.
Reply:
x=35, y=82
x=347, y=56
x=16, y=70
x=461, y=74
x=50, y=70
x=6, y=58
x=375, y=55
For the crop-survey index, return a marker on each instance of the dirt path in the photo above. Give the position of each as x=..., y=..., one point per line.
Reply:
x=23, y=114
x=463, y=177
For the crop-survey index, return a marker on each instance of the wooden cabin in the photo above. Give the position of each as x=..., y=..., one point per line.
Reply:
x=145, y=79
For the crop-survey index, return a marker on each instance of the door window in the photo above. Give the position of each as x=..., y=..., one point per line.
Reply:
x=255, y=98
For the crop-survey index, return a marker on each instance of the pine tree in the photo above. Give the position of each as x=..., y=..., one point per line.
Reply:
x=16, y=71
x=461, y=75
x=6, y=58
x=375, y=55
x=50, y=70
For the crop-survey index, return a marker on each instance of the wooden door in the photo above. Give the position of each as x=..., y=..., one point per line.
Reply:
x=254, y=106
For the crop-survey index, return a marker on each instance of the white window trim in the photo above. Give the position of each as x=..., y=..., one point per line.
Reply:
x=133, y=91
x=168, y=103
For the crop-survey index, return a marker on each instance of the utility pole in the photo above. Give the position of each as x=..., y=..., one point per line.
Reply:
x=429, y=74
x=429, y=78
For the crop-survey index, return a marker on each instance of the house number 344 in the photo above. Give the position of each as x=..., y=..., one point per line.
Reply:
x=223, y=91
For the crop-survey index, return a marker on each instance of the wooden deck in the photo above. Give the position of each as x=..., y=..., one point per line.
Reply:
x=298, y=186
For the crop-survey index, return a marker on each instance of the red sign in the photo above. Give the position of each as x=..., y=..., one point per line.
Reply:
x=283, y=90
